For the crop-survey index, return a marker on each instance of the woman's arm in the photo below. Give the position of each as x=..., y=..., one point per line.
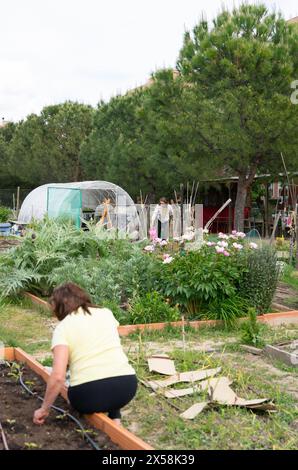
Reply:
x=55, y=382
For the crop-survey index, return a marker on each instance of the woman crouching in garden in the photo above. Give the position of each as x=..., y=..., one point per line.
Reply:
x=101, y=379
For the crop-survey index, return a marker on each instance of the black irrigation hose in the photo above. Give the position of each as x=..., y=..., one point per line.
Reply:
x=60, y=410
x=3, y=437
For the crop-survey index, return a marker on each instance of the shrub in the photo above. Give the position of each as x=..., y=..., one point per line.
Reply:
x=251, y=330
x=5, y=214
x=259, y=280
x=199, y=278
x=151, y=308
x=111, y=278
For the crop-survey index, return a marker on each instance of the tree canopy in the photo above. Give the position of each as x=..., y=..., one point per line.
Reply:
x=225, y=111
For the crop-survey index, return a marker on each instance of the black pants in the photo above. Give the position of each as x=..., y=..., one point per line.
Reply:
x=105, y=395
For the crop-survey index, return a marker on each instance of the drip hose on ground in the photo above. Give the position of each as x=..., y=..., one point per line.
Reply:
x=60, y=410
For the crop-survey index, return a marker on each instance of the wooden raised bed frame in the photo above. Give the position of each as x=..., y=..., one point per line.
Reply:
x=119, y=435
x=273, y=319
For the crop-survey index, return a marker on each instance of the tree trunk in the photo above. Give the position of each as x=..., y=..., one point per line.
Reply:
x=240, y=203
x=244, y=183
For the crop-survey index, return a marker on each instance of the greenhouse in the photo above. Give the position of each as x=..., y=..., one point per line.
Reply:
x=103, y=202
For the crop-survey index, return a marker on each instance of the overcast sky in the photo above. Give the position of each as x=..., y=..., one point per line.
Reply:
x=87, y=50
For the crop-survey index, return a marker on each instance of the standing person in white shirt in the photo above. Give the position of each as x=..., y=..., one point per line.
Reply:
x=162, y=213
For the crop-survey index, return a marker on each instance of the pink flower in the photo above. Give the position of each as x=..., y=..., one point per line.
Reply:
x=165, y=256
x=219, y=249
x=224, y=244
x=152, y=233
x=210, y=243
x=149, y=248
x=157, y=240
x=237, y=246
x=240, y=234
x=223, y=236
x=254, y=246
x=168, y=260
x=226, y=253
x=234, y=232
x=163, y=243
x=188, y=236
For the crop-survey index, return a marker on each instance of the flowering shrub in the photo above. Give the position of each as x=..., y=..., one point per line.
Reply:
x=209, y=279
x=199, y=277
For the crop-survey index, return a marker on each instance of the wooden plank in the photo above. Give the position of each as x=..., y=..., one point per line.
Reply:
x=119, y=435
x=38, y=301
x=252, y=349
x=277, y=318
x=7, y=354
x=291, y=359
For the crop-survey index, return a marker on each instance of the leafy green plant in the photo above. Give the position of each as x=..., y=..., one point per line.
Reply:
x=199, y=278
x=31, y=264
x=228, y=310
x=5, y=214
x=251, y=330
x=151, y=308
x=259, y=279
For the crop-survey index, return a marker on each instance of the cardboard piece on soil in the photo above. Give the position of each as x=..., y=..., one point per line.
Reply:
x=219, y=391
x=191, y=376
x=171, y=393
x=162, y=364
x=194, y=410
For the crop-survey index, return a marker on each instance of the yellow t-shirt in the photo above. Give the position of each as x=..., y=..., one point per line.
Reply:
x=95, y=351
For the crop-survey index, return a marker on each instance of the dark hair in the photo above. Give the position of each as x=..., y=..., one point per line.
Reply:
x=163, y=199
x=67, y=298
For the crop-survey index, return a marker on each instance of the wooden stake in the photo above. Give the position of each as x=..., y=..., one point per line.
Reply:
x=216, y=213
x=18, y=201
x=183, y=333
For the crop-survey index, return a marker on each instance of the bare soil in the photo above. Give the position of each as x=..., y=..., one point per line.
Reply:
x=7, y=243
x=287, y=296
x=58, y=433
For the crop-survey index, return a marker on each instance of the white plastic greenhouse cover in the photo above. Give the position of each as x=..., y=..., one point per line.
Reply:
x=35, y=204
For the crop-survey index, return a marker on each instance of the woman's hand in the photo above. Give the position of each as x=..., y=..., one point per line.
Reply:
x=40, y=415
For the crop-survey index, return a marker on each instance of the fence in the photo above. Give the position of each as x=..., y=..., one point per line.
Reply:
x=8, y=196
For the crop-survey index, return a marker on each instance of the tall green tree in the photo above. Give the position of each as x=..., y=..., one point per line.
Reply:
x=240, y=70
x=6, y=135
x=46, y=147
x=121, y=149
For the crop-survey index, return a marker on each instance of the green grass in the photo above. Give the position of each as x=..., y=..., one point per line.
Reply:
x=23, y=327
x=289, y=279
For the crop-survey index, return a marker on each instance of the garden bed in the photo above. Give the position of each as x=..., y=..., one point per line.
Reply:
x=58, y=432
x=278, y=318
x=20, y=408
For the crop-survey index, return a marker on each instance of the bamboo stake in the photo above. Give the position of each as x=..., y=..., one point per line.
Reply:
x=277, y=217
x=217, y=213
x=18, y=201
x=196, y=191
x=183, y=333
x=288, y=179
x=3, y=438
x=192, y=192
